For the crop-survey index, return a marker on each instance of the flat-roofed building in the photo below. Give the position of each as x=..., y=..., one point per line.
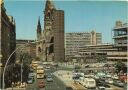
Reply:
x=120, y=42
x=97, y=53
x=120, y=36
x=110, y=52
x=74, y=41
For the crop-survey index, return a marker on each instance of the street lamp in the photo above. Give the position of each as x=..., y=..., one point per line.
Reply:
x=6, y=66
x=21, y=70
x=0, y=69
x=0, y=60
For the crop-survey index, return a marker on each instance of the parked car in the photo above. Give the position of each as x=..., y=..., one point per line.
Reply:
x=41, y=84
x=31, y=75
x=108, y=76
x=49, y=78
x=76, y=76
x=48, y=67
x=110, y=81
x=115, y=77
x=30, y=80
x=31, y=70
x=118, y=83
x=102, y=86
x=69, y=88
x=86, y=66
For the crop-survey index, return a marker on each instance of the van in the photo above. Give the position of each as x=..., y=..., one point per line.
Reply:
x=87, y=82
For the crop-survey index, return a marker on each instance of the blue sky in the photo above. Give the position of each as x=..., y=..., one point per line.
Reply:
x=80, y=16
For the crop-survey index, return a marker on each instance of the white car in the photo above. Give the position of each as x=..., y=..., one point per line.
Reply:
x=30, y=80
x=31, y=74
x=115, y=77
x=108, y=75
x=49, y=79
x=110, y=81
x=47, y=67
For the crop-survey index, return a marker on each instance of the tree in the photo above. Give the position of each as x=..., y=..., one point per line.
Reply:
x=25, y=60
x=13, y=71
x=119, y=66
x=101, y=58
x=12, y=74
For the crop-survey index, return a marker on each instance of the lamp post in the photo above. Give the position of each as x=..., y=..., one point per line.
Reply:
x=6, y=66
x=0, y=69
x=21, y=70
x=0, y=60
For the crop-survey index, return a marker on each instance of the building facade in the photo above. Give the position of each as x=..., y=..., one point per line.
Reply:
x=120, y=42
x=77, y=40
x=7, y=36
x=120, y=35
x=97, y=53
x=50, y=41
x=111, y=53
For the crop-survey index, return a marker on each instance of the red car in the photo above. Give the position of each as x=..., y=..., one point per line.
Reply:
x=41, y=84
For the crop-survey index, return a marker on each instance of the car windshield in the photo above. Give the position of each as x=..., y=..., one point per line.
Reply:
x=49, y=76
x=91, y=82
x=119, y=82
x=30, y=78
x=41, y=82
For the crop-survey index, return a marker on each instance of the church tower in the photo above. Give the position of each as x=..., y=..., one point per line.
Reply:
x=53, y=32
x=38, y=29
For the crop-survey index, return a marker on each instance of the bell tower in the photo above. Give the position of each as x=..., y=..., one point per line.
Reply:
x=38, y=29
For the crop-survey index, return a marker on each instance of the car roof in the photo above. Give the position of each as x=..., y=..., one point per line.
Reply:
x=40, y=66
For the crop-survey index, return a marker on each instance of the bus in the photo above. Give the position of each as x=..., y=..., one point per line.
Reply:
x=87, y=82
x=40, y=72
x=35, y=64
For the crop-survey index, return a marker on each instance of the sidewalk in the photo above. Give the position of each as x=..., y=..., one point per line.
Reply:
x=16, y=89
x=64, y=76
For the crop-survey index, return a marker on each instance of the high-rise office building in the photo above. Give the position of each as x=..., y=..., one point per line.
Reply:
x=76, y=40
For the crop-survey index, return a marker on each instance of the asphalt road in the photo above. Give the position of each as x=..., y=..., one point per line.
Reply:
x=55, y=85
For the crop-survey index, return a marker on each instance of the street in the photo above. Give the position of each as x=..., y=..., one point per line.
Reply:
x=55, y=85
x=47, y=45
x=62, y=77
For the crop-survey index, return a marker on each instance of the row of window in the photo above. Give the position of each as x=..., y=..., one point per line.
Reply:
x=119, y=33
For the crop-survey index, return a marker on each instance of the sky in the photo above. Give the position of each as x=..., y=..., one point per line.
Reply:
x=80, y=16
